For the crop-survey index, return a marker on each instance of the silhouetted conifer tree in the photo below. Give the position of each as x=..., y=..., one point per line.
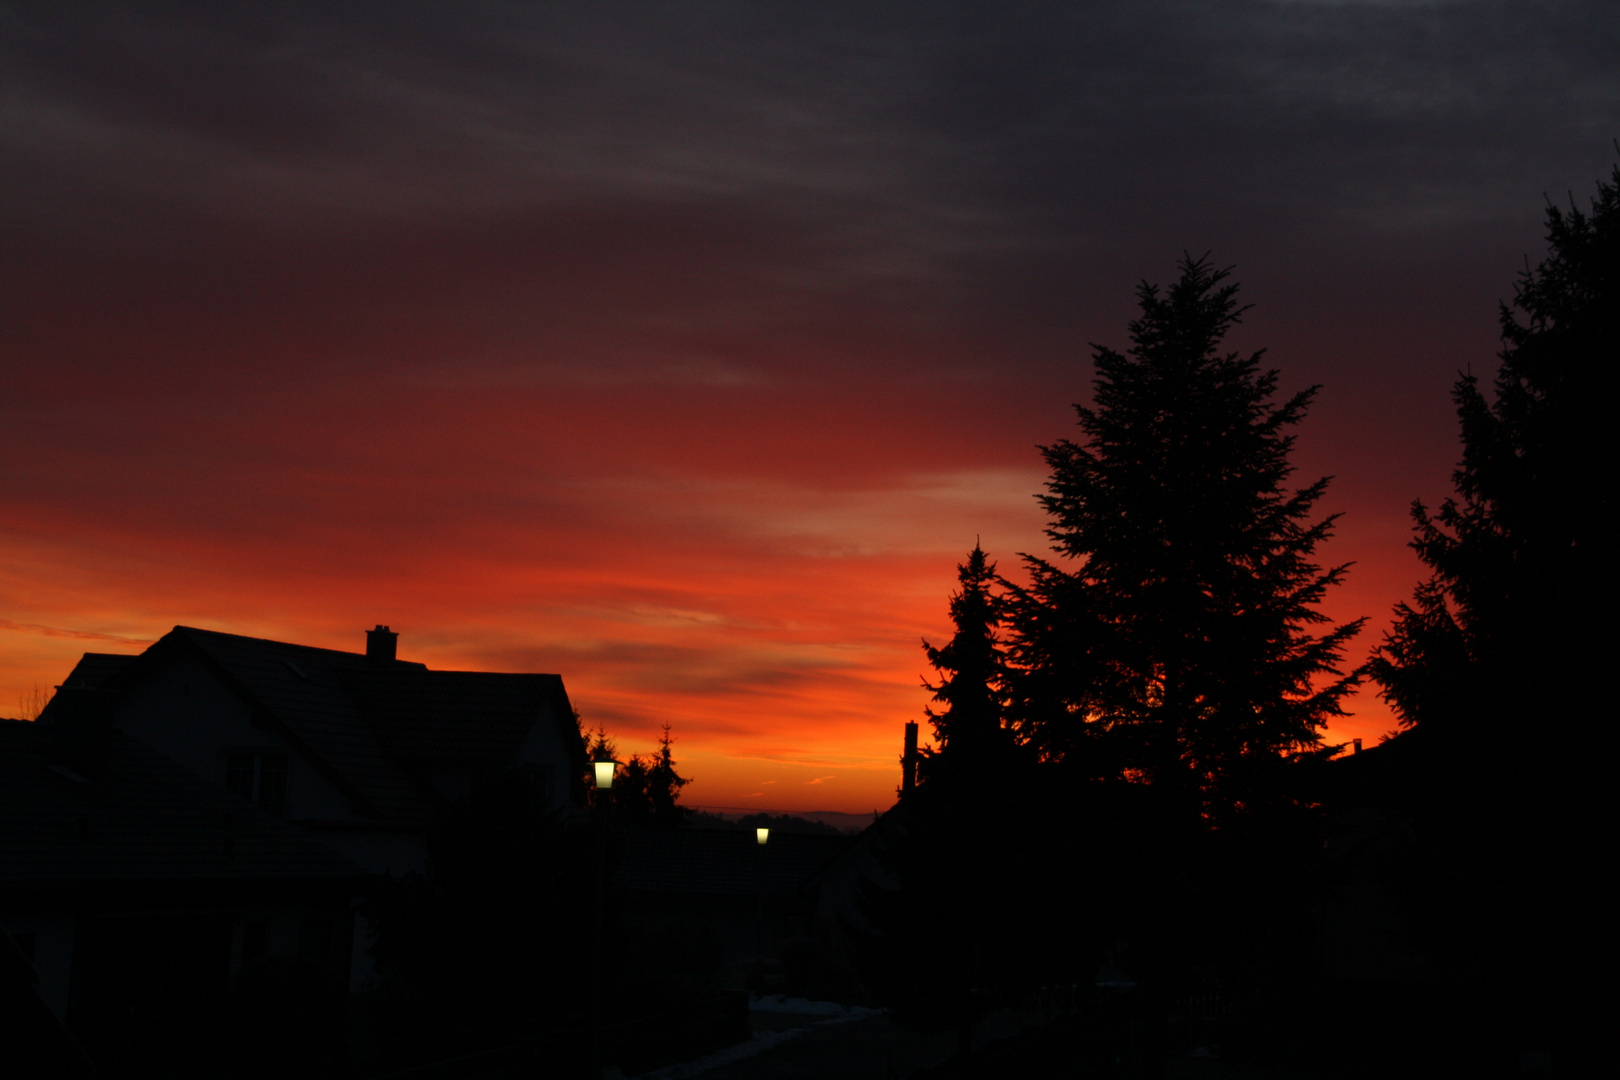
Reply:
x=646, y=790
x=966, y=921
x=664, y=784
x=1173, y=644
x=1171, y=667
x=1499, y=665
x=1525, y=550
x=972, y=677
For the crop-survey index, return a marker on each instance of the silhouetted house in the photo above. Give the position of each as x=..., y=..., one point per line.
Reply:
x=835, y=885
x=1365, y=936
x=352, y=755
x=135, y=890
x=361, y=749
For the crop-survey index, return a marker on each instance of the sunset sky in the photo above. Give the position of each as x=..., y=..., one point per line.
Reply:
x=684, y=350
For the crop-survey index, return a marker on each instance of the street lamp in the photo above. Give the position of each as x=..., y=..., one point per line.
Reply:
x=760, y=836
x=602, y=775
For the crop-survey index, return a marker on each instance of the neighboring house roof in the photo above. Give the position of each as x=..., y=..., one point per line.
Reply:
x=865, y=848
x=1384, y=774
x=471, y=716
x=723, y=862
x=137, y=818
x=95, y=668
x=360, y=721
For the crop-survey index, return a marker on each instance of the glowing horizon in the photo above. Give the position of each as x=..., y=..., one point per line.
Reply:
x=685, y=357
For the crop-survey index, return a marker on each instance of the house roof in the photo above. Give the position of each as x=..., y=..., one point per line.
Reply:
x=723, y=862
x=137, y=817
x=866, y=846
x=95, y=668
x=363, y=722
x=1382, y=774
x=461, y=715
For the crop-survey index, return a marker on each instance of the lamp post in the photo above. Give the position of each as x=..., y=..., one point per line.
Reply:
x=602, y=775
x=761, y=835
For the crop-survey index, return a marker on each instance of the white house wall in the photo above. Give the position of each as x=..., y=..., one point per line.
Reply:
x=544, y=746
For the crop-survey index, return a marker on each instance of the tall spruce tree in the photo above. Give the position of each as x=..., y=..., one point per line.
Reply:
x=1497, y=645
x=1496, y=666
x=1174, y=643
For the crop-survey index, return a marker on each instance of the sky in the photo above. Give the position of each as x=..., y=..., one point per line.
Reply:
x=684, y=350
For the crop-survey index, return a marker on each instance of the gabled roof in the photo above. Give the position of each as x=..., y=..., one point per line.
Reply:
x=95, y=668
x=866, y=847
x=723, y=862
x=363, y=722
x=137, y=818
x=458, y=715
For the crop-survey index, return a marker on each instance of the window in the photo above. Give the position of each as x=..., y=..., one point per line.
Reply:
x=259, y=778
x=538, y=782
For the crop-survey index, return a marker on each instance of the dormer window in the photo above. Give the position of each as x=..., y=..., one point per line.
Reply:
x=258, y=777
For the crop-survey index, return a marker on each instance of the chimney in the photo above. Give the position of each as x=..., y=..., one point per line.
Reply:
x=1356, y=744
x=908, y=763
x=380, y=645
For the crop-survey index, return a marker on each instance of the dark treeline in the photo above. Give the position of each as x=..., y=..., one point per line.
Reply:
x=776, y=823
x=646, y=791
x=1129, y=792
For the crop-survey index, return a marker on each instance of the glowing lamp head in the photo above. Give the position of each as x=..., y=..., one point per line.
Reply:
x=604, y=774
x=762, y=835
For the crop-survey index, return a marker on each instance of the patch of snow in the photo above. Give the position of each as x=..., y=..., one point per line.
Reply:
x=765, y=1040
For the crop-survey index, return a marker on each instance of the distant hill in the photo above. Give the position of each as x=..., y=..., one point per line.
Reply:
x=803, y=821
